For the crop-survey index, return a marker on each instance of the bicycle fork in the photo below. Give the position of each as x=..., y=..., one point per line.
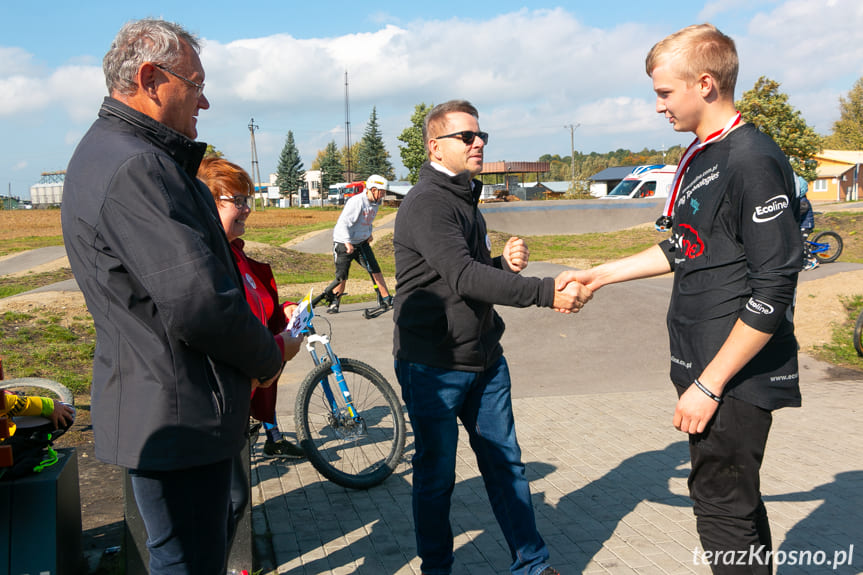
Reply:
x=350, y=410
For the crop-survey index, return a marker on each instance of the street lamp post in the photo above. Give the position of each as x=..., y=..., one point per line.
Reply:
x=572, y=128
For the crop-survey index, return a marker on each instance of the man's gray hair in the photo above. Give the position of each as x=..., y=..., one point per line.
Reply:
x=139, y=41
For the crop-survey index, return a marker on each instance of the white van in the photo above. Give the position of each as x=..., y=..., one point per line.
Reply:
x=645, y=182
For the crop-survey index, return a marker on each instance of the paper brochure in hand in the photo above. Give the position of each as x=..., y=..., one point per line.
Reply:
x=301, y=317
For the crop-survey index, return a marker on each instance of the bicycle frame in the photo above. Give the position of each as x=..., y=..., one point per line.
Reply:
x=817, y=247
x=315, y=338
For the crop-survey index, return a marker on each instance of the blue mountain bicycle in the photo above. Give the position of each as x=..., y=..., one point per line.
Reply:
x=348, y=419
x=825, y=247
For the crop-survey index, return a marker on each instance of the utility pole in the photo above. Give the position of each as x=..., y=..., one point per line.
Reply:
x=349, y=176
x=256, y=171
x=572, y=128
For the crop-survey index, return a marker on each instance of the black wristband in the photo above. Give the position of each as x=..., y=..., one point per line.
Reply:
x=706, y=391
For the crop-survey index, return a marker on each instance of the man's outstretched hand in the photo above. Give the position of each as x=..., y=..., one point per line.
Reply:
x=570, y=296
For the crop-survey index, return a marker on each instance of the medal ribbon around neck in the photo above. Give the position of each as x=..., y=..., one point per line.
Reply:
x=664, y=222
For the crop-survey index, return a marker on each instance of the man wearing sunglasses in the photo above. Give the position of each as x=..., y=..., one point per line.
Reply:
x=448, y=357
x=177, y=346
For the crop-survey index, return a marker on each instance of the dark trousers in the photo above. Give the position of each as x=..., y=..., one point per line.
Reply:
x=362, y=253
x=725, y=487
x=239, y=496
x=187, y=516
x=436, y=400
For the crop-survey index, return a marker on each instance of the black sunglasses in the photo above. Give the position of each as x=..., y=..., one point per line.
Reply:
x=467, y=136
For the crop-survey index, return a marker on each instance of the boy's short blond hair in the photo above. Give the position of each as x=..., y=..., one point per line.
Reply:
x=699, y=49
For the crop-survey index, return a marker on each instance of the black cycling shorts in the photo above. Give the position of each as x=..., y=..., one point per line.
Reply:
x=362, y=253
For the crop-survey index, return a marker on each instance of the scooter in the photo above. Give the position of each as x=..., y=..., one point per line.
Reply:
x=384, y=304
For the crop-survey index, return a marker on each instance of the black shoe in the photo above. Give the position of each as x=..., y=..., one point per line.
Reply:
x=387, y=301
x=283, y=449
x=334, y=305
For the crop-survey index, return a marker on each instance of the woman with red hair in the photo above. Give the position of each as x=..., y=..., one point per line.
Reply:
x=232, y=189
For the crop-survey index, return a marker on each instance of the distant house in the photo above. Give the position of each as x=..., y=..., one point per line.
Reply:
x=313, y=184
x=837, y=176
x=603, y=182
x=544, y=192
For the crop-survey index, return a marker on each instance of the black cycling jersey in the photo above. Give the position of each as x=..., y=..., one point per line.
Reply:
x=735, y=249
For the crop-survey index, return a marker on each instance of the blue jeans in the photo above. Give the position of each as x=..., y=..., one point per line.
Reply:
x=187, y=516
x=436, y=399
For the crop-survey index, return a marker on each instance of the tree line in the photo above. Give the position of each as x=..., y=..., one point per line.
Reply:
x=765, y=106
x=366, y=157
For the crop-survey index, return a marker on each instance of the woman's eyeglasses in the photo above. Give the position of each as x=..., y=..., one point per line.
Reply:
x=467, y=136
x=239, y=201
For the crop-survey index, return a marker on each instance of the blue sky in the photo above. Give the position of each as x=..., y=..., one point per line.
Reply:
x=531, y=69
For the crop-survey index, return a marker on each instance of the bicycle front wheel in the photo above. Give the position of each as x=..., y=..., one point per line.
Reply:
x=858, y=335
x=357, y=450
x=832, y=247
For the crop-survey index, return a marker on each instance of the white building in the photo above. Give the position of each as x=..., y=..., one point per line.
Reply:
x=313, y=183
x=49, y=190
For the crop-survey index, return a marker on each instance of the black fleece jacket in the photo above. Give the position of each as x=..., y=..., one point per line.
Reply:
x=446, y=280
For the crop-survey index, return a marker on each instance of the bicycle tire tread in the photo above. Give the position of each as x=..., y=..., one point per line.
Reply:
x=303, y=427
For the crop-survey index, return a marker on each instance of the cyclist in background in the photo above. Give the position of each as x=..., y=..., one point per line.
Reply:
x=807, y=222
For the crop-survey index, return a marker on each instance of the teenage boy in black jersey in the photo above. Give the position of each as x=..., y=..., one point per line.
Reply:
x=735, y=251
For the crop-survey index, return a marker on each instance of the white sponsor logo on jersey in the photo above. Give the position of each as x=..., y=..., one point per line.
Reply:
x=759, y=307
x=771, y=209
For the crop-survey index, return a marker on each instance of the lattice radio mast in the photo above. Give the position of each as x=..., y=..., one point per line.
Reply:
x=349, y=176
x=256, y=170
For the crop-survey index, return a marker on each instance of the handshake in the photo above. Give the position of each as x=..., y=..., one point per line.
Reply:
x=572, y=288
x=571, y=291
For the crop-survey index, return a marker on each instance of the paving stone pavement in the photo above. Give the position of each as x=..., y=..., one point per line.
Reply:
x=608, y=477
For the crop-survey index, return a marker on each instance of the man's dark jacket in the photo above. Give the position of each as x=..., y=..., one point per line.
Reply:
x=447, y=281
x=176, y=343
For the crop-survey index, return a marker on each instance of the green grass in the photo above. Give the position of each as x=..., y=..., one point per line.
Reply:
x=49, y=346
x=16, y=245
x=10, y=286
x=840, y=351
x=62, y=349
x=282, y=235
x=594, y=248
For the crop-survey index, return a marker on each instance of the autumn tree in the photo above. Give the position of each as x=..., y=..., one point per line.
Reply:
x=213, y=151
x=768, y=109
x=290, y=173
x=354, y=153
x=373, y=157
x=413, y=152
x=848, y=129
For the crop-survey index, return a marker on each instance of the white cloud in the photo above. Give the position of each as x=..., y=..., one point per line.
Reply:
x=20, y=165
x=536, y=59
x=718, y=7
x=807, y=43
x=810, y=48
x=79, y=90
x=14, y=61
x=529, y=72
x=76, y=89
